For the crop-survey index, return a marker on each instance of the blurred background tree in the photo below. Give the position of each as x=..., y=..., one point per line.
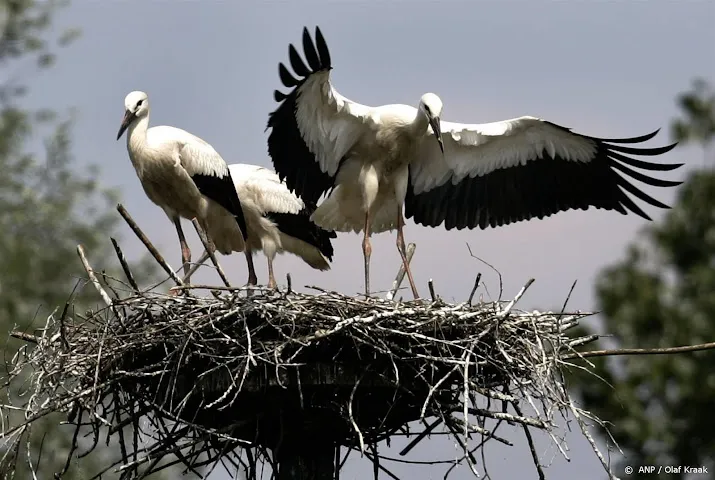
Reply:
x=47, y=206
x=663, y=294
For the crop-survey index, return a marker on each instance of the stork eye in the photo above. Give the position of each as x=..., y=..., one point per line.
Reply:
x=140, y=102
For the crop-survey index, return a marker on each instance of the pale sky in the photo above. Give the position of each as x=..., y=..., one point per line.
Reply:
x=602, y=68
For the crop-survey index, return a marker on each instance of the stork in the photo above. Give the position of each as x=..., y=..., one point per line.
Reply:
x=372, y=160
x=278, y=221
x=185, y=176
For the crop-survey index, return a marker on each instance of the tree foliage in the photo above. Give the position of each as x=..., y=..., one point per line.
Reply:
x=47, y=207
x=663, y=294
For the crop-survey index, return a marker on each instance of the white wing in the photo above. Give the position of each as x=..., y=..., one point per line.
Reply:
x=206, y=168
x=498, y=173
x=315, y=126
x=265, y=188
x=195, y=154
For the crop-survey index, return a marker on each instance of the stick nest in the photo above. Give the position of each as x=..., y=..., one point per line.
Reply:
x=231, y=372
x=241, y=376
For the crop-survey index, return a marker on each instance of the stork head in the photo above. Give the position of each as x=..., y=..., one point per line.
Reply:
x=136, y=105
x=431, y=106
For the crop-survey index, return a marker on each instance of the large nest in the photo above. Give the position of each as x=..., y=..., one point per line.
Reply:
x=268, y=368
x=239, y=375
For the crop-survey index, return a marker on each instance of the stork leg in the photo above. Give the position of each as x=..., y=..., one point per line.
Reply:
x=271, y=278
x=403, y=251
x=252, y=278
x=367, y=251
x=185, y=251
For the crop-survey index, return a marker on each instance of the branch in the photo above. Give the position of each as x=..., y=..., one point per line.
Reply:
x=147, y=243
x=92, y=276
x=25, y=336
x=210, y=251
x=401, y=272
x=640, y=351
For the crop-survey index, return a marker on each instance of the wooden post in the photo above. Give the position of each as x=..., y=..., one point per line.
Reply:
x=306, y=459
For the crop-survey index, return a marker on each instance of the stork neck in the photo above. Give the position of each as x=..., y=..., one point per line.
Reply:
x=136, y=133
x=419, y=124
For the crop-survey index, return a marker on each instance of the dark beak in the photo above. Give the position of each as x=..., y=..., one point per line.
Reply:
x=126, y=121
x=434, y=123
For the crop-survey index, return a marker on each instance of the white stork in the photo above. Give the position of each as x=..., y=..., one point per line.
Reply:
x=184, y=176
x=375, y=159
x=278, y=221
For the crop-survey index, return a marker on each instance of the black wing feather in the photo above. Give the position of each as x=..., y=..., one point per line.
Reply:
x=543, y=187
x=301, y=227
x=222, y=191
x=292, y=159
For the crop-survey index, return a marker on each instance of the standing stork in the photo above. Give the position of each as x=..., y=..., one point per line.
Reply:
x=278, y=221
x=184, y=176
x=375, y=159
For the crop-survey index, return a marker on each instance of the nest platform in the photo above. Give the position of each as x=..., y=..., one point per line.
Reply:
x=273, y=369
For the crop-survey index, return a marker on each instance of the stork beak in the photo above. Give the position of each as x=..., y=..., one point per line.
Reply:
x=126, y=121
x=434, y=123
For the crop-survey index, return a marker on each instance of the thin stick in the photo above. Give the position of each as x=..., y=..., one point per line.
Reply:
x=216, y=287
x=125, y=265
x=25, y=336
x=147, y=243
x=530, y=440
x=195, y=266
x=428, y=429
x=209, y=251
x=93, y=277
x=641, y=351
x=474, y=289
x=430, y=285
x=511, y=304
x=289, y=281
x=401, y=272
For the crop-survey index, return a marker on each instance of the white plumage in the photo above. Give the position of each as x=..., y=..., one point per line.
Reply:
x=372, y=160
x=278, y=221
x=184, y=176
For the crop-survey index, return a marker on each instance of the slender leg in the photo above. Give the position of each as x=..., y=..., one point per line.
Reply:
x=403, y=253
x=367, y=251
x=185, y=251
x=252, y=278
x=271, y=279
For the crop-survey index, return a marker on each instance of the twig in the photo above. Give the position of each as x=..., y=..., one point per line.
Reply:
x=428, y=429
x=430, y=285
x=147, y=243
x=125, y=265
x=530, y=441
x=93, y=277
x=205, y=241
x=474, y=289
x=401, y=272
x=218, y=287
x=511, y=304
x=640, y=351
x=25, y=336
x=501, y=282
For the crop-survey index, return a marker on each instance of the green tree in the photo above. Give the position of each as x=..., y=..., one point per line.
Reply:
x=47, y=207
x=660, y=407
